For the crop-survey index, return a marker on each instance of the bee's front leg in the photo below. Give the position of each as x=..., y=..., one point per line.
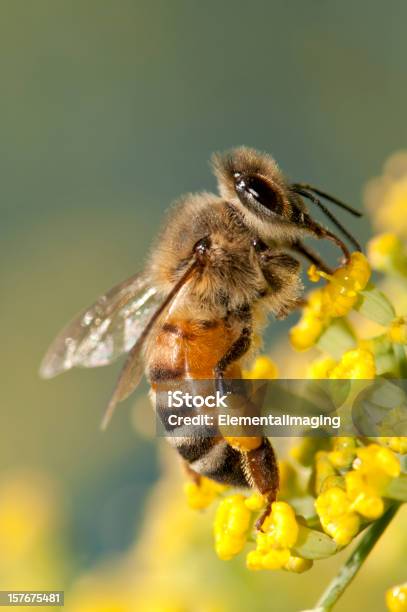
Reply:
x=311, y=255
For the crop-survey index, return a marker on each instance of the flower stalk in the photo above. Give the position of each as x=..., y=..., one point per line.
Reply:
x=349, y=570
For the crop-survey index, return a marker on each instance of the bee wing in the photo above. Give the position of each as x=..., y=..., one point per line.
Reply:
x=105, y=330
x=133, y=368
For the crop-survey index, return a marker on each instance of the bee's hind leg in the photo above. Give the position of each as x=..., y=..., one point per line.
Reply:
x=261, y=470
x=257, y=458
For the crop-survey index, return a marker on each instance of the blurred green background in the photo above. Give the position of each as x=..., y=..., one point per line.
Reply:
x=110, y=110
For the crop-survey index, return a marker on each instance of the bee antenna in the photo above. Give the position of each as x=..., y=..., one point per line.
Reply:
x=307, y=194
x=328, y=197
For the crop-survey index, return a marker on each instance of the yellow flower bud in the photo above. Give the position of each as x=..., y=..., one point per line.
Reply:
x=274, y=558
x=396, y=598
x=232, y=522
x=332, y=503
x=345, y=284
x=306, y=332
x=313, y=273
x=298, y=565
x=343, y=528
x=281, y=526
x=343, y=453
x=310, y=326
x=256, y=501
x=254, y=560
x=398, y=331
x=355, y=364
x=371, y=507
x=396, y=444
x=321, y=368
x=376, y=457
x=263, y=368
x=201, y=495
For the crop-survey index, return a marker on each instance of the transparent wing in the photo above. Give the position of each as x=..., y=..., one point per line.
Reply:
x=133, y=368
x=105, y=330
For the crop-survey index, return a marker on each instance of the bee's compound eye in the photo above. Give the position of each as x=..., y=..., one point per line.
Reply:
x=254, y=188
x=259, y=246
x=202, y=246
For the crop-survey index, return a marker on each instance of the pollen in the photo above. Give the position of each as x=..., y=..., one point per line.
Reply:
x=231, y=526
x=273, y=544
x=201, y=495
x=344, y=285
x=355, y=364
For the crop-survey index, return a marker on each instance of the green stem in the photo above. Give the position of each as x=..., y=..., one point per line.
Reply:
x=354, y=563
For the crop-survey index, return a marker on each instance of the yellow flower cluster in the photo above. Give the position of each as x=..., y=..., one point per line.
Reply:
x=336, y=299
x=273, y=544
x=231, y=526
x=234, y=521
x=355, y=364
x=201, y=494
x=396, y=598
x=342, y=501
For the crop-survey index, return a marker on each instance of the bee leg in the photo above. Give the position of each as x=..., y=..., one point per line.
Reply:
x=235, y=352
x=281, y=273
x=258, y=460
x=311, y=255
x=261, y=469
x=322, y=233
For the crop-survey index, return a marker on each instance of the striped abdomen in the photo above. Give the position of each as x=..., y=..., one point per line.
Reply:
x=189, y=349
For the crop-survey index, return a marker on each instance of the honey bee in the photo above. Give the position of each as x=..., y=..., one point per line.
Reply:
x=221, y=264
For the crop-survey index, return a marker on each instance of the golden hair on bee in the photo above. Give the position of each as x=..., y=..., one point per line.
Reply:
x=237, y=269
x=221, y=264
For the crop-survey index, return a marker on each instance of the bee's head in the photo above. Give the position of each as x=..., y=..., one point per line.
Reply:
x=253, y=183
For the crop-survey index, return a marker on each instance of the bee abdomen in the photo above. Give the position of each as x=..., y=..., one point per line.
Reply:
x=222, y=463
